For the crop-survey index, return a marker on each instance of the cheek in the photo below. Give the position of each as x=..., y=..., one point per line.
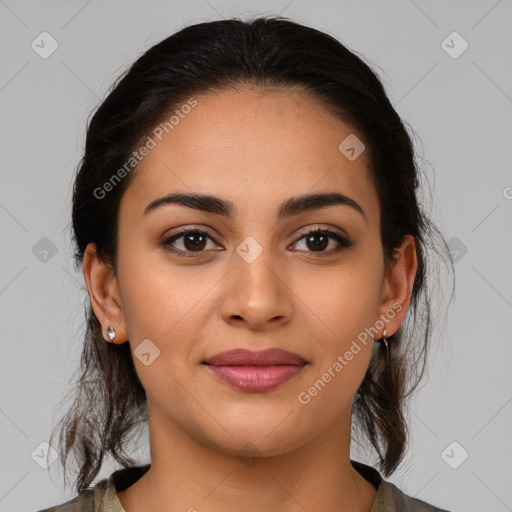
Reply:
x=160, y=300
x=340, y=304
x=343, y=347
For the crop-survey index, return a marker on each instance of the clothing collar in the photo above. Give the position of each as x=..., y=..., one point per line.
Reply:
x=123, y=478
x=105, y=491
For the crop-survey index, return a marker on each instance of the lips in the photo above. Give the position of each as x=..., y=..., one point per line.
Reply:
x=244, y=357
x=258, y=371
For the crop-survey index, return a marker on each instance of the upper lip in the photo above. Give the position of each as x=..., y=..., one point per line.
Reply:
x=245, y=357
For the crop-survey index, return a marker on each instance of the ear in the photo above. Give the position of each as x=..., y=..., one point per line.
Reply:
x=104, y=294
x=397, y=285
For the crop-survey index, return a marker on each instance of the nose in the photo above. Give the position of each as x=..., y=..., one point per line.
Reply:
x=256, y=295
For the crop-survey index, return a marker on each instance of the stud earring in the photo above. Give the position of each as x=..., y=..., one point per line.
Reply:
x=111, y=333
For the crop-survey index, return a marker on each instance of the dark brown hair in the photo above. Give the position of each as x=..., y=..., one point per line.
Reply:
x=108, y=397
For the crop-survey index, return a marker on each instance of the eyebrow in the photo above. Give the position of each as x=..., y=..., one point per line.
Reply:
x=288, y=208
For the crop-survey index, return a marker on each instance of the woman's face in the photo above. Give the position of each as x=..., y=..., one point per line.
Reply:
x=254, y=281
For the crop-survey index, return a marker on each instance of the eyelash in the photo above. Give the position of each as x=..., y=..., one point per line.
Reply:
x=344, y=243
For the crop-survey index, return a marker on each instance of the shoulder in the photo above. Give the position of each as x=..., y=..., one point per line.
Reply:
x=102, y=497
x=87, y=501
x=82, y=503
x=390, y=498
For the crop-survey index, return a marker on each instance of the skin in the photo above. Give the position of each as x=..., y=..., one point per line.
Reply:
x=255, y=148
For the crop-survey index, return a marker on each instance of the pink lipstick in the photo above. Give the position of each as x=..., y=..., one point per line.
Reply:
x=256, y=371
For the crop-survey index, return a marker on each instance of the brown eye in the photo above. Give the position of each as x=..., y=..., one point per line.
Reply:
x=194, y=241
x=318, y=240
x=186, y=242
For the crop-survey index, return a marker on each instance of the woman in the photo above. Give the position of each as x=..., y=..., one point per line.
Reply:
x=246, y=216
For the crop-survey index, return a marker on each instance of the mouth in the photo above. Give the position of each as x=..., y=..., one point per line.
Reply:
x=256, y=371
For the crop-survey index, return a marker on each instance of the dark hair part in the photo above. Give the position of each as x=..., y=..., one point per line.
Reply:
x=109, y=400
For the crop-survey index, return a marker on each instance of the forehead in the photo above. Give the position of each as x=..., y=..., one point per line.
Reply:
x=252, y=146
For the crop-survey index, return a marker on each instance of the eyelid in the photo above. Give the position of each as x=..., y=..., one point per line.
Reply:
x=317, y=228
x=190, y=227
x=183, y=230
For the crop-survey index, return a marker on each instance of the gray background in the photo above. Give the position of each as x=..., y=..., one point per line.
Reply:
x=459, y=107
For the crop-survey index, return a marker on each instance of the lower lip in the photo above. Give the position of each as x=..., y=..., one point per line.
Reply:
x=256, y=378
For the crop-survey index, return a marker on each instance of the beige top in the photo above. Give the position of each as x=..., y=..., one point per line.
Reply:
x=103, y=498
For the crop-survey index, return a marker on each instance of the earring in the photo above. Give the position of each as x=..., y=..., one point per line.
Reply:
x=384, y=339
x=111, y=333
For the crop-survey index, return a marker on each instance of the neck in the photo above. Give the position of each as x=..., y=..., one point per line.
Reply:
x=188, y=474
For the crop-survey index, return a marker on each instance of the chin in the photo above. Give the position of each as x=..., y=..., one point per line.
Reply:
x=250, y=442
